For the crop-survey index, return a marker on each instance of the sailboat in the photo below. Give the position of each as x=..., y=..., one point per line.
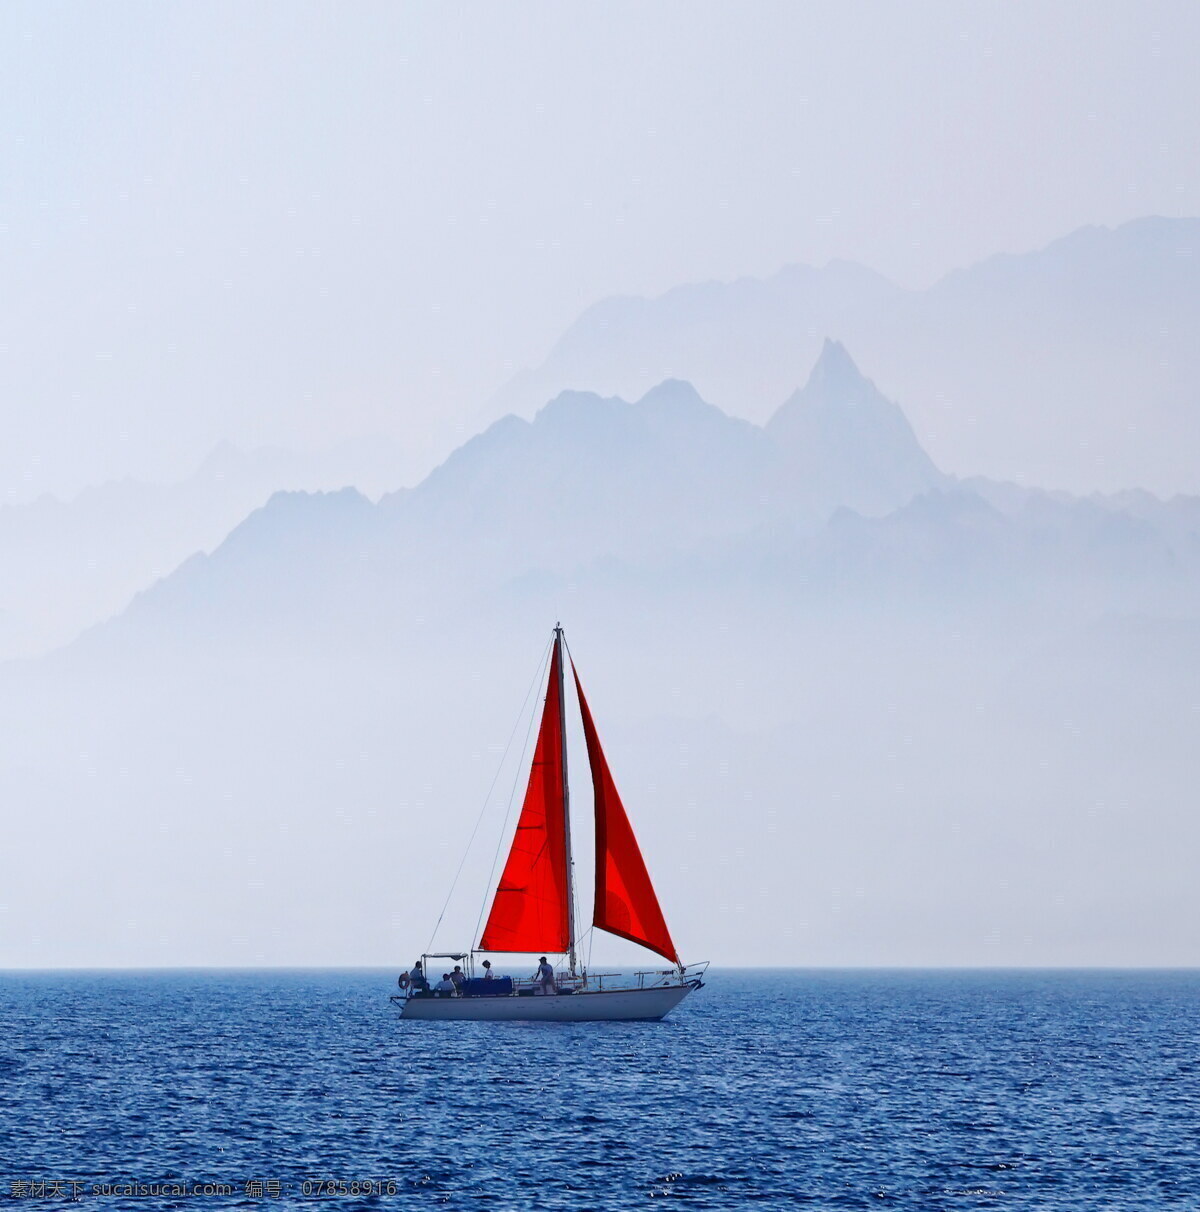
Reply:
x=533, y=910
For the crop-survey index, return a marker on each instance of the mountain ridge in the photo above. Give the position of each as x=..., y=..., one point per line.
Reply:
x=591, y=483
x=1021, y=367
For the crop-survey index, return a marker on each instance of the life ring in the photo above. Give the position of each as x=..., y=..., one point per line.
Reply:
x=402, y=980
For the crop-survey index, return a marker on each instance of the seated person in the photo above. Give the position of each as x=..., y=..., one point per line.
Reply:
x=445, y=987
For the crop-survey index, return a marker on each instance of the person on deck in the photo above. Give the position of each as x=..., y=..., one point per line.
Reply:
x=416, y=979
x=457, y=977
x=545, y=977
x=445, y=987
x=487, y=970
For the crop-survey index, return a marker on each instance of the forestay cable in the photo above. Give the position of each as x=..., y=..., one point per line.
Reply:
x=486, y=800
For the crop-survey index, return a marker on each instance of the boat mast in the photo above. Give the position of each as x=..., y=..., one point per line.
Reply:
x=566, y=798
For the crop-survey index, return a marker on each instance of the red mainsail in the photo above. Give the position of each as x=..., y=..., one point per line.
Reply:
x=625, y=900
x=530, y=909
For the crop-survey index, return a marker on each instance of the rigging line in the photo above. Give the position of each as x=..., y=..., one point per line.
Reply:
x=512, y=795
x=586, y=939
x=486, y=799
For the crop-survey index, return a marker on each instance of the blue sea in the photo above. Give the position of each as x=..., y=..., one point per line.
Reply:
x=814, y=1089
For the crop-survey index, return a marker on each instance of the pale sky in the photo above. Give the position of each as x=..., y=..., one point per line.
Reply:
x=293, y=224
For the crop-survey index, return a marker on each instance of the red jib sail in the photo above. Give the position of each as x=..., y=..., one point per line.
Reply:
x=625, y=900
x=530, y=909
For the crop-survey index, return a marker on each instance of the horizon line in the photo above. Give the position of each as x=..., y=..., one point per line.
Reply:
x=816, y=968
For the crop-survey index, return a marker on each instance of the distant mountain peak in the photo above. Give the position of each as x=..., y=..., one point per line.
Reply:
x=836, y=374
x=848, y=441
x=674, y=396
x=834, y=388
x=674, y=389
x=571, y=408
x=671, y=397
x=568, y=399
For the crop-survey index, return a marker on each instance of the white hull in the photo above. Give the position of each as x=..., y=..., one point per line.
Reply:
x=607, y=1006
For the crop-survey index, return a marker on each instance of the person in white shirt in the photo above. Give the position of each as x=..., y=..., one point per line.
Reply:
x=545, y=977
x=445, y=987
x=487, y=970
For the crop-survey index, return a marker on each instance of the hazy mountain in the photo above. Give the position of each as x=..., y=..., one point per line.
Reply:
x=925, y=736
x=591, y=475
x=70, y=564
x=847, y=444
x=745, y=344
x=589, y=479
x=1073, y=366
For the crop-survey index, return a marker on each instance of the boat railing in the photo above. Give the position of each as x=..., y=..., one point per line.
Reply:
x=658, y=977
x=598, y=977
x=647, y=978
